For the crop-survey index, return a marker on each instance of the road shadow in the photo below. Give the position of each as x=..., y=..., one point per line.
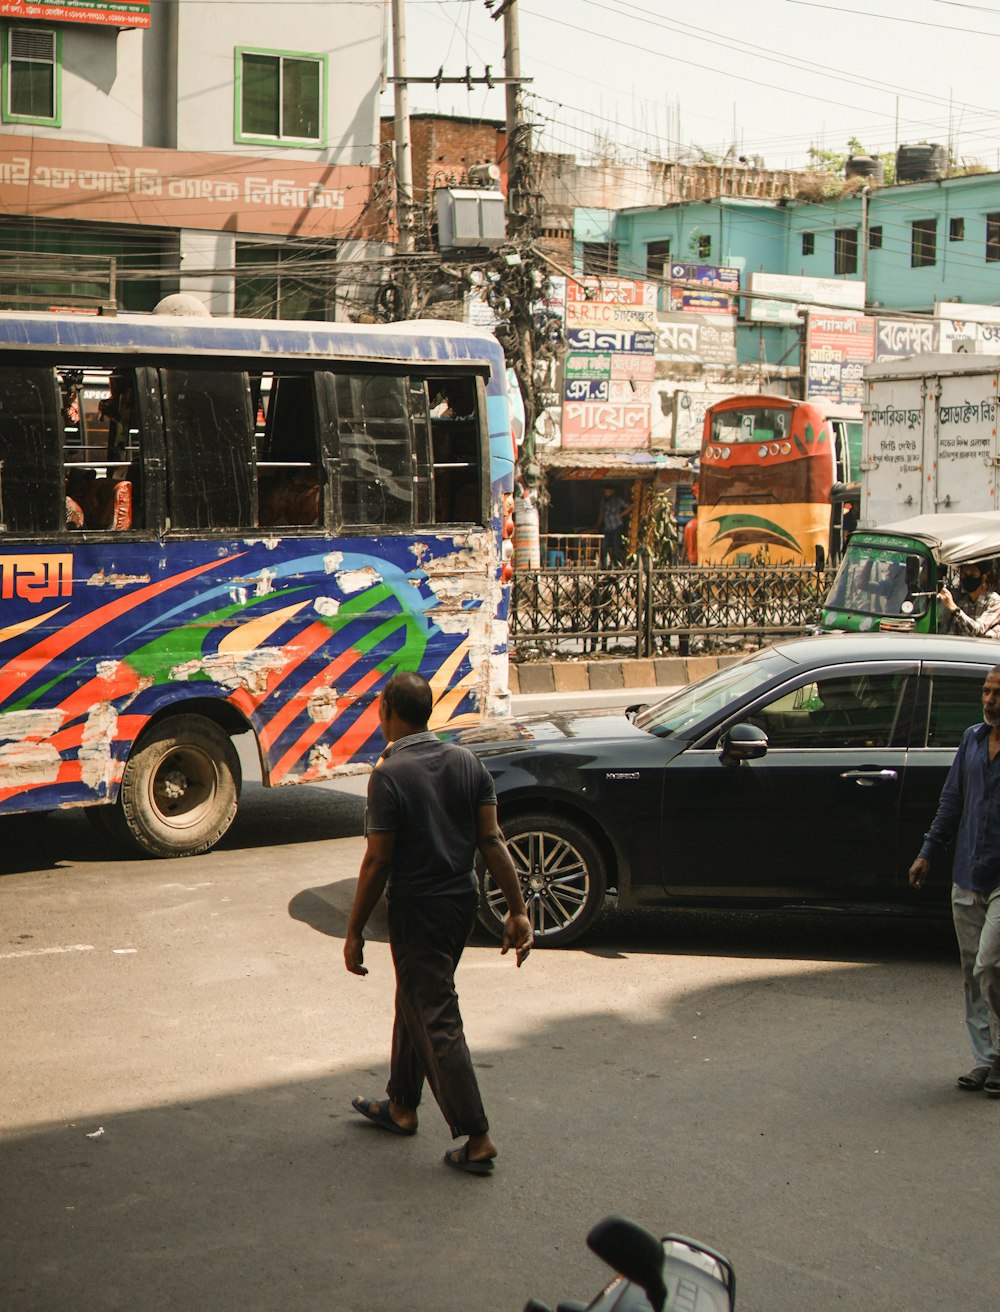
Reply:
x=779, y=1117
x=270, y=817
x=49, y=840
x=326, y=908
x=778, y=934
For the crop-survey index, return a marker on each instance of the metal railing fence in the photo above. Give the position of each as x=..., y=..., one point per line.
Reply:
x=648, y=610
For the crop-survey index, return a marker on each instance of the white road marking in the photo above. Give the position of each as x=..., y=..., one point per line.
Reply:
x=46, y=952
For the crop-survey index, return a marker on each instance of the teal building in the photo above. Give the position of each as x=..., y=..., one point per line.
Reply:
x=911, y=244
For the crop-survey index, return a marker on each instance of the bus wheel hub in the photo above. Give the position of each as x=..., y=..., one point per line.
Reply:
x=174, y=785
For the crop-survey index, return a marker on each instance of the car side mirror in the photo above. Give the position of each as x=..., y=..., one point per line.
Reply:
x=743, y=742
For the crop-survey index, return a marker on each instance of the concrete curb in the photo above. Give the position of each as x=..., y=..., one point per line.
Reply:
x=532, y=677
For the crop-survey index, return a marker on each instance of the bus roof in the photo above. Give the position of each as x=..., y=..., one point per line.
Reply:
x=439, y=340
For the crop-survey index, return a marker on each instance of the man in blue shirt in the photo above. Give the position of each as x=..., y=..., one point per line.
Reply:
x=969, y=813
x=431, y=806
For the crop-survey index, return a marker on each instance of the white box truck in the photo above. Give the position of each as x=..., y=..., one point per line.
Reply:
x=930, y=437
x=928, y=495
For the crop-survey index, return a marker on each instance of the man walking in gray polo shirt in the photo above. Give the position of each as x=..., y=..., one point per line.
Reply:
x=431, y=805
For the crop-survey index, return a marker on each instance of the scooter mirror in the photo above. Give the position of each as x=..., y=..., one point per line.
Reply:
x=699, y=1274
x=634, y=1253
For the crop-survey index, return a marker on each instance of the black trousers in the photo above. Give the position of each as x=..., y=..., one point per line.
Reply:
x=427, y=936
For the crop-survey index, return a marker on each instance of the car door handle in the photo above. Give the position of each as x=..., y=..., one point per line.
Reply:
x=869, y=778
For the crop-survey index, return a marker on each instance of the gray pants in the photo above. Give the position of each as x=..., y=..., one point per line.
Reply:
x=977, y=928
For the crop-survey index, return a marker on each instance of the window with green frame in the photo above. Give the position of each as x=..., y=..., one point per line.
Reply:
x=280, y=96
x=31, y=75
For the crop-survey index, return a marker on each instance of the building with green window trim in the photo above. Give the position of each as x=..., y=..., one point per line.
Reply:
x=229, y=151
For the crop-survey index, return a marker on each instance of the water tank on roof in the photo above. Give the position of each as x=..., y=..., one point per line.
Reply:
x=922, y=162
x=869, y=167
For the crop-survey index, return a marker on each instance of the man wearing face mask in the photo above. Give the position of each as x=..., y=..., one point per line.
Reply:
x=976, y=611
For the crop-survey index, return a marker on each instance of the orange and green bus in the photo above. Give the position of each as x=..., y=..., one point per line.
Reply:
x=771, y=481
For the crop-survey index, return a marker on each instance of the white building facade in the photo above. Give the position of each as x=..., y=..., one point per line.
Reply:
x=225, y=149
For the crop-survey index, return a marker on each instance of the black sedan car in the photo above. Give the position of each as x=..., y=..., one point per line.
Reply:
x=806, y=774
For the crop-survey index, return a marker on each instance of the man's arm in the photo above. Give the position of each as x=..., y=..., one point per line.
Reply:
x=985, y=624
x=375, y=866
x=945, y=824
x=490, y=841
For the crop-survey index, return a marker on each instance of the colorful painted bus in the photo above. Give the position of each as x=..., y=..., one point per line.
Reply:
x=771, y=480
x=215, y=527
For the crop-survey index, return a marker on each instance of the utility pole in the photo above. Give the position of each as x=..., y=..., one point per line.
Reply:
x=521, y=206
x=404, y=156
x=512, y=70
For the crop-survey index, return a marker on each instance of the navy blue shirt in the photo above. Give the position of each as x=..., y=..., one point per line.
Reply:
x=969, y=812
x=429, y=793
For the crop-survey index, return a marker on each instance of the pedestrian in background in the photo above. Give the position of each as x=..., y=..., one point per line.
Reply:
x=976, y=611
x=691, y=536
x=430, y=806
x=969, y=813
x=611, y=522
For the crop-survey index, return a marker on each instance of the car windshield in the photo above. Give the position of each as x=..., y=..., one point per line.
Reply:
x=691, y=705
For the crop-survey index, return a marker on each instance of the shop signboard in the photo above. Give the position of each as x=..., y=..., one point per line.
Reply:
x=106, y=183
x=703, y=288
x=584, y=314
x=588, y=389
x=622, y=341
x=600, y=426
x=109, y=13
x=610, y=291
x=634, y=368
x=693, y=302
x=609, y=363
x=696, y=339
x=688, y=409
x=798, y=293
x=897, y=338
x=586, y=365
x=838, y=346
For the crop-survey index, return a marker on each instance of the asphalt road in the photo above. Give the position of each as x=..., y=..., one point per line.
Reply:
x=181, y=1043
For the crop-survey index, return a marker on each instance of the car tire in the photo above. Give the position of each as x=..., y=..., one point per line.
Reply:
x=562, y=875
x=179, y=790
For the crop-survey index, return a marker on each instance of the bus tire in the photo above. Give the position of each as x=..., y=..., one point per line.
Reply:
x=180, y=788
x=562, y=875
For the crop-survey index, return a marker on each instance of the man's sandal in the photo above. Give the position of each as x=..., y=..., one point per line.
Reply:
x=975, y=1080
x=459, y=1158
x=379, y=1114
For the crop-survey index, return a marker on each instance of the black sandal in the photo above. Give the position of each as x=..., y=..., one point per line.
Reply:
x=379, y=1114
x=975, y=1080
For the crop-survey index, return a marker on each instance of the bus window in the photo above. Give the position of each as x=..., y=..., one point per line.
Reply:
x=209, y=448
x=455, y=450
x=760, y=424
x=101, y=448
x=286, y=440
x=375, y=448
x=31, y=497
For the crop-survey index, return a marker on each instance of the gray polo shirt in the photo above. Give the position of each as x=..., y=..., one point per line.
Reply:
x=429, y=793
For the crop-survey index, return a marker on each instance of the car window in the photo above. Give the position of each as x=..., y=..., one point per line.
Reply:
x=693, y=704
x=956, y=702
x=853, y=710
